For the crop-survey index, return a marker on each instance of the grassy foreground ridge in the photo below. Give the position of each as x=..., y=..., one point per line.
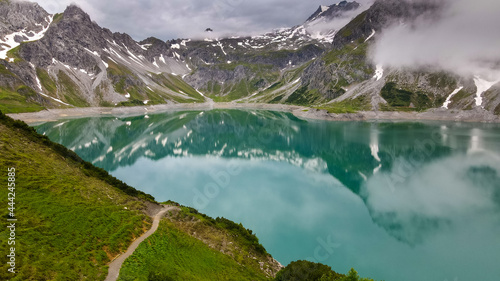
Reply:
x=73, y=218
x=192, y=246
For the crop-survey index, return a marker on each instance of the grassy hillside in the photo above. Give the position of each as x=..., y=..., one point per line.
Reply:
x=72, y=218
x=192, y=246
x=310, y=271
x=14, y=96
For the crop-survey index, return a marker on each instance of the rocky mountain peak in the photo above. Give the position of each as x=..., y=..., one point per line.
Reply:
x=76, y=14
x=332, y=11
x=384, y=13
x=19, y=15
x=342, y=4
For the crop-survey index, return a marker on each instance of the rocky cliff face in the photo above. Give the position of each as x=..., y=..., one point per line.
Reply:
x=78, y=63
x=17, y=16
x=67, y=60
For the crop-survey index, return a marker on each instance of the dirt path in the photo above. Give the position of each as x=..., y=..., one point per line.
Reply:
x=116, y=264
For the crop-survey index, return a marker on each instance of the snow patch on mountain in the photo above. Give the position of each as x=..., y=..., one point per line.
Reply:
x=371, y=35
x=221, y=47
x=379, y=72
x=448, y=99
x=9, y=41
x=482, y=86
x=58, y=100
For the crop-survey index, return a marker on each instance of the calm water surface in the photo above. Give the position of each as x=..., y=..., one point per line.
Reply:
x=396, y=201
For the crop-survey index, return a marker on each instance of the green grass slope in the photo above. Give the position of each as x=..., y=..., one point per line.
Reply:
x=14, y=96
x=192, y=246
x=171, y=254
x=72, y=218
x=310, y=271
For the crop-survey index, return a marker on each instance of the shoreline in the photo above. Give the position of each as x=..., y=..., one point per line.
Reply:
x=477, y=115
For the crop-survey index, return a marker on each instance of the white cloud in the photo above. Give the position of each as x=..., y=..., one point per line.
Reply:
x=463, y=40
x=442, y=189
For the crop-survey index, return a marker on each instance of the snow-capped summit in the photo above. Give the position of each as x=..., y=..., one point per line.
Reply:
x=329, y=12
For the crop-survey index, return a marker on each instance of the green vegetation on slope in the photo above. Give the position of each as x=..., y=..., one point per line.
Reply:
x=176, y=84
x=70, y=91
x=309, y=271
x=18, y=101
x=17, y=97
x=192, y=246
x=401, y=98
x=361, y=103
x=347, y=31
x=460, y=96
x=46, y=80
x=304, y=96
x=497, y=110
x=277, y=91
x=346, y=65
x=353, y=54
x=171, y=254
x=241, y=89
x=72, y=217
x=57, y=18
x=14, y=54
x=442, y=80
x=257, y=77
x=125, y=82
x=244, y=237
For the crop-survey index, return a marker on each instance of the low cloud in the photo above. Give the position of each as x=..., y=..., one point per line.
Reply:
x=463, y=40
x=323, y=26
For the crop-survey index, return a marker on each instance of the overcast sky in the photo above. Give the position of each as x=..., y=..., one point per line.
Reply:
x=465, y=39
x=171, y=19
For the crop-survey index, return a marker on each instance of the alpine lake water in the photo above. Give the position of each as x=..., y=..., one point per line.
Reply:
x=397, y=201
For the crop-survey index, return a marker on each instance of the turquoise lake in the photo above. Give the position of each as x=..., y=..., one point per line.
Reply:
x=413, y=201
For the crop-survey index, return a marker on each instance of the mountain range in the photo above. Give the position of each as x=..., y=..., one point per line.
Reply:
x=67, y=60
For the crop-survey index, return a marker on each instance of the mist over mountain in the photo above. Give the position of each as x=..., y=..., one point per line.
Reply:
x=461, y=40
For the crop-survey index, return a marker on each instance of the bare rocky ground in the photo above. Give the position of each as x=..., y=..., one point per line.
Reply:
x=438, y=114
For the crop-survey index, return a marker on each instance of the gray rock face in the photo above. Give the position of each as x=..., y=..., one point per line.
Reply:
x=383, y=13
x=249, y=65
x=19, y=15
x=90, y=65
x=66, y=39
